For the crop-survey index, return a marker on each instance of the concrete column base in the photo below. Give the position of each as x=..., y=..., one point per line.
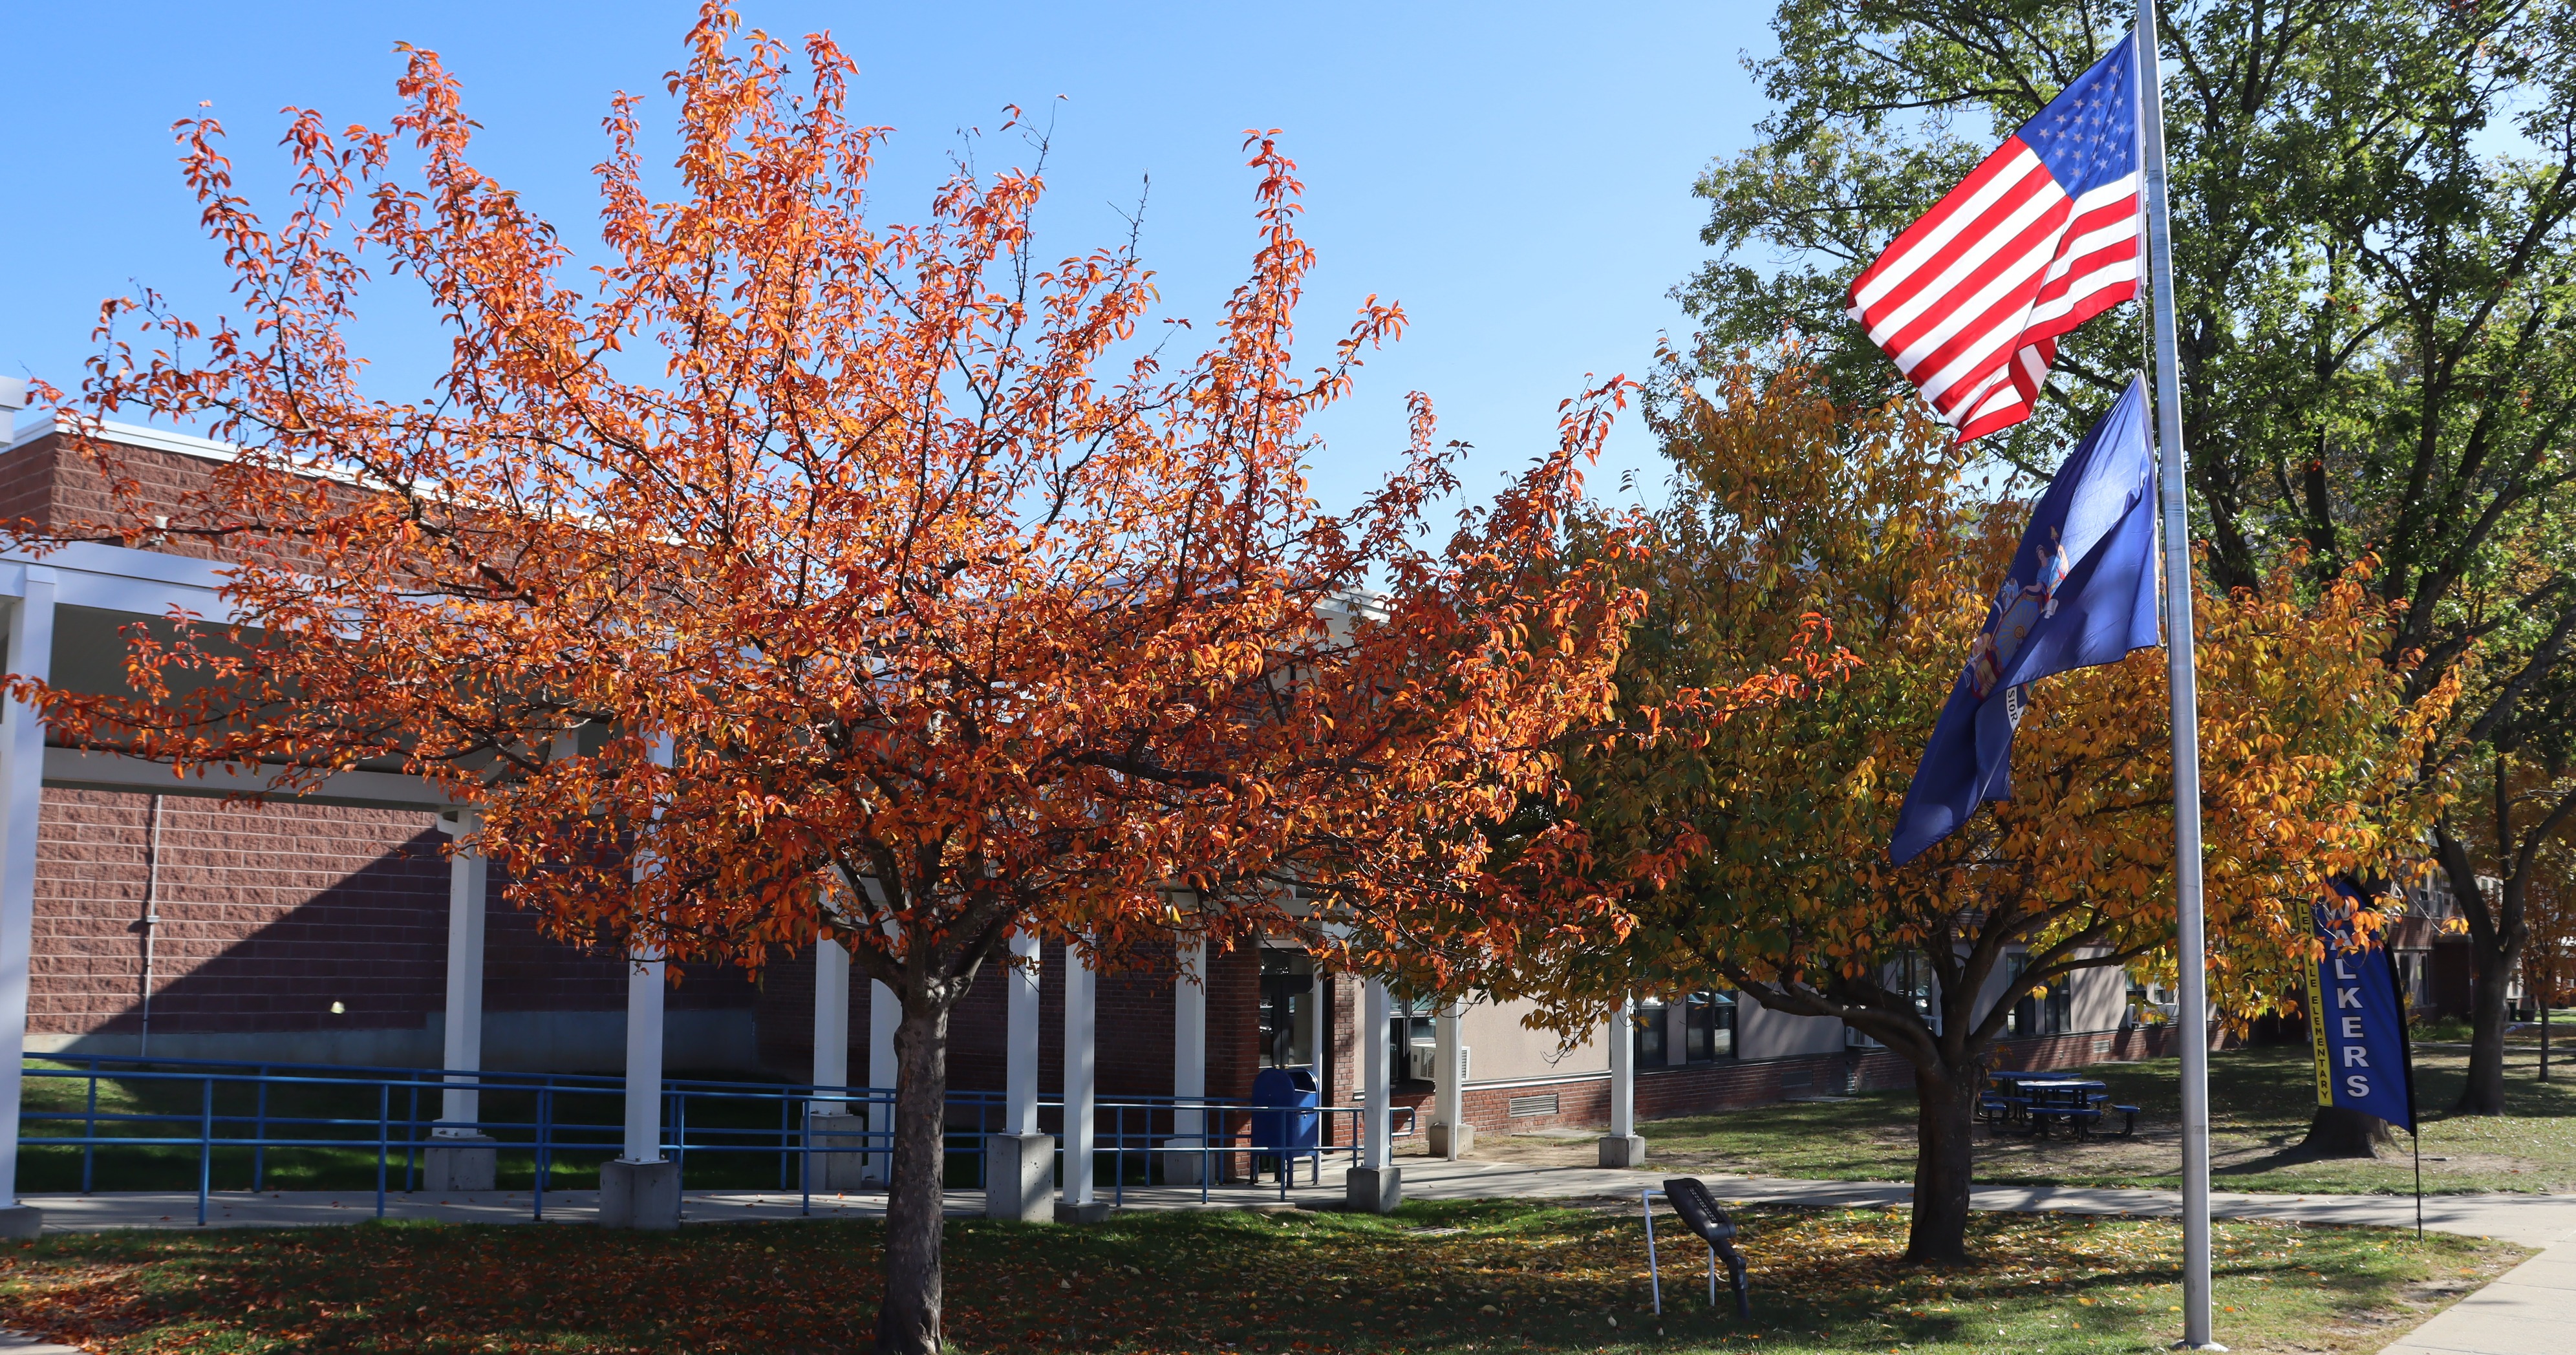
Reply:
x=1180, y=1168
x=843, y=1170
x=21, y=1220
x=1095, y=1212
x=1443, y=1135
x=1373, y=1190
x=643, y=1195
x=456, y=1163
x=1019, y=1177
x=1623, y=1150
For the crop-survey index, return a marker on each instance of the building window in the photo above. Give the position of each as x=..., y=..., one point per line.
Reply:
x=1410, y=1026
x=2050, y=1013
x=1708, y=1026
x=1911, y=978
x=1287, y=1009
x=1647, y=1024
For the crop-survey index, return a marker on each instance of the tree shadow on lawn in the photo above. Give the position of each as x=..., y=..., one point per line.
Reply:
x=2261, y=1101
x=1444, y=1277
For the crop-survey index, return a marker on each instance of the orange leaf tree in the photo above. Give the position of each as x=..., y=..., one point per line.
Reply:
x=789, y=574
x=1787, y=509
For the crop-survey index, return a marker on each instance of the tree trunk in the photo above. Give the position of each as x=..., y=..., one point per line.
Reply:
x=2336, y=1132
x=916, y=1197
x=2483, y=1094
x=1944, y=1163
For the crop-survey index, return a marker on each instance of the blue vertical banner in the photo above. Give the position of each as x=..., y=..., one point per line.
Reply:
x=2357, y=1021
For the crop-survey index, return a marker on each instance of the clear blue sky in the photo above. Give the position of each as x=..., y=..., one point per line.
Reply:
x=1517, y=175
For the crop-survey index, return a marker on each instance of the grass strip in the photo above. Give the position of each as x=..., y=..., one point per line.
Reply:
x=1448, y=1277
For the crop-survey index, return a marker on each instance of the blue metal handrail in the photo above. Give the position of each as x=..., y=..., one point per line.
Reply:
x=1125, y=1128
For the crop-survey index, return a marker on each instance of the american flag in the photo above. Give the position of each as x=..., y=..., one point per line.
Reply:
x=2042, y=237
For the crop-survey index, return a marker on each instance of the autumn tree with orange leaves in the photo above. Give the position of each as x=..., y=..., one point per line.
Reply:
x=789, y=573
x=1787, y=510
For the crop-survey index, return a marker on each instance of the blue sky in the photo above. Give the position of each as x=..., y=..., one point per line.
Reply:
x=1516, y=175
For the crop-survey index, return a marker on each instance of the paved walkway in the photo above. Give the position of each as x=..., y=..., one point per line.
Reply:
x=2529, y=1311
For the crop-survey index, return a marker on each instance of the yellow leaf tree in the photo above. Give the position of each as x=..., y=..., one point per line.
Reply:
x=1788, y=512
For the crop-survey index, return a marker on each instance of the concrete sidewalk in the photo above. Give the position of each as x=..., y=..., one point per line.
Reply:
x=2532, y=1220
x=2530, y=1311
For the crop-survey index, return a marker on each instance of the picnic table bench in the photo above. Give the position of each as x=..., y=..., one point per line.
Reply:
x=2032, y=1103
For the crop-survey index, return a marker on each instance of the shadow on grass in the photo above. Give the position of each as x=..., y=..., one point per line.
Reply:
x=1433, y=1277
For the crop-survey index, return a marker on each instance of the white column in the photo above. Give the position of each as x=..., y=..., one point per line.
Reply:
x=1080, y=987
x=645, y=989
x=1318, y=1039
x=1623, y=1070
x=1189, y=1037
x=1450, y=1097
x=885, y=1012
x=22, y=794
x=831, y=1013
x=1376, y=1146
x=468, y=879
x=1020, y=1061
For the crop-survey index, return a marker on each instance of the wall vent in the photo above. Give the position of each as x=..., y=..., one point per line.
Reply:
x=1539, y=1104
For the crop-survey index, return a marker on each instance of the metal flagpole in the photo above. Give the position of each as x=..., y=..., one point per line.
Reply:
x=2192, y=1019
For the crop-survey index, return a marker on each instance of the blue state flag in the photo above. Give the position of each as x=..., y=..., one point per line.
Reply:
x=2082, y=591
x=2356, y=1022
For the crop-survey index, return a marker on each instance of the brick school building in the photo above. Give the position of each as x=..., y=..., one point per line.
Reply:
x=163, y=921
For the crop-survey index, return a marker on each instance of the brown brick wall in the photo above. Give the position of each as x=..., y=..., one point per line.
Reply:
x=56, y=486
x=269, y=915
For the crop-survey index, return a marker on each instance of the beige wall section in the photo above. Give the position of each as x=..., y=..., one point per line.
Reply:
x=1502, y=1050
x=1761, y=1033
x=2099, y=998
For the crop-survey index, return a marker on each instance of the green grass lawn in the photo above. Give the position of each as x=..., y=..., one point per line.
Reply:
x=1469, y=1277
x=2260, y=1102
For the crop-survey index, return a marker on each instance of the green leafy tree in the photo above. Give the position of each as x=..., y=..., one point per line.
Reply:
x=2375, y=260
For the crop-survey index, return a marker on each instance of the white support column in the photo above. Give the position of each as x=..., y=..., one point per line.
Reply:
x=885, y=1012
x=1375, y=1185
x=1182, y=1164
x=645, y=987
x=468, y=877
x=641, y=1189
x=1020, y=1057
x=834, y=1128
x=1319, y=1039
x=460, y=1157
x=1189, y=1035
x=22, y=795
x=831, y=1014
x=1081, y=988
x=1019, y=1166
x=1623, y=1147
x=1450, y=1137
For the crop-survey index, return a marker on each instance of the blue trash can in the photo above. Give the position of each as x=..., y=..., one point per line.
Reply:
x=1286, y=1123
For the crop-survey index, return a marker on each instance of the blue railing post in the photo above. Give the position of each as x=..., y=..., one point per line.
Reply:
x=205, y=1150
x=384, y=1116
x=676, y=1115
x=259, y=1146
x=411, y=1137
x=89, y=1131
x=545, y=1133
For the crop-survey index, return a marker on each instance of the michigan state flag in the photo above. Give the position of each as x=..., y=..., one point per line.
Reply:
x=2356, y=1021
